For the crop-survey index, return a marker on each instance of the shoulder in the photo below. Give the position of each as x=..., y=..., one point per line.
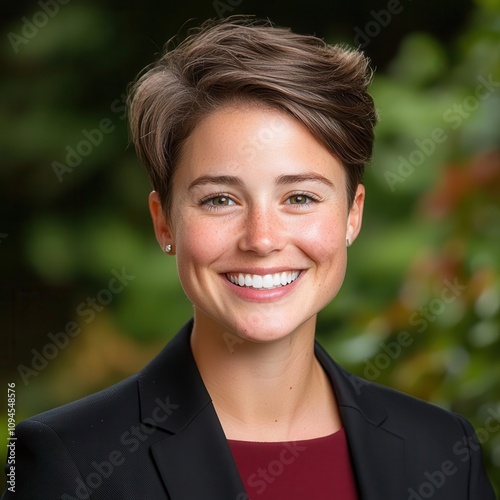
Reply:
x=131, y=401
x=70, y=438
x=431, y=434
x=388, y=428
x=395, y=411
x=410, y=416
x=101, y=406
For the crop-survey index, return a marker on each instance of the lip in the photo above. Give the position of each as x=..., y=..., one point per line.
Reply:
x=262, y=295
x=262, y=271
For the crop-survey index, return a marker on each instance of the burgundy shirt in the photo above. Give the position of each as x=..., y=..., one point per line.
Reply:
x=319, y=469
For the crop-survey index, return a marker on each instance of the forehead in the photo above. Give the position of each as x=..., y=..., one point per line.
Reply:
x=249, y=138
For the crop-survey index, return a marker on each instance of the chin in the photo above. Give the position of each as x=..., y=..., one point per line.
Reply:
x=262, y=337
x=266, y=330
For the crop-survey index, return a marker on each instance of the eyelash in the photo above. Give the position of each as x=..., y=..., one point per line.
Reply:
x=313, y=199
x=205, y=202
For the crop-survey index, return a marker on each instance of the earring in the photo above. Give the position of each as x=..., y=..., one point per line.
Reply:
x=168, y=248
x=347, y=242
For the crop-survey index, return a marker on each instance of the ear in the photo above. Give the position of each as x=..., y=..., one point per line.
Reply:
x=161, y=225
x=355, y=215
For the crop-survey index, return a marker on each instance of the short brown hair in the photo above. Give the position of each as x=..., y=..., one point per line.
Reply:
x=243, y=59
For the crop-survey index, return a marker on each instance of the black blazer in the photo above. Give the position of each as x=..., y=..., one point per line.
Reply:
x=156, y=436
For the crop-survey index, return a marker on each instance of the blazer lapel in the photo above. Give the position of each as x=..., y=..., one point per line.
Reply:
x=194, y=460
x=197, y=462
x=377, y=452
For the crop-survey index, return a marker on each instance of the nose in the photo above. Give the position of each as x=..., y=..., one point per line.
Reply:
x=264, y=231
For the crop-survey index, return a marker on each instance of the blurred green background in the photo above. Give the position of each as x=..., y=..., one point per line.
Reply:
x=420, y=307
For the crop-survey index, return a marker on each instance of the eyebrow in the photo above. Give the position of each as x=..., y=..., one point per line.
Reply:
x=216, y=179
x=281, y=180
x=295, y=178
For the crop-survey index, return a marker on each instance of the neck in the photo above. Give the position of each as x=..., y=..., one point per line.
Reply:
x=275, y=391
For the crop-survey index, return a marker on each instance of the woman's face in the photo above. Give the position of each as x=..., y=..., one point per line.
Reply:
x=259, y=221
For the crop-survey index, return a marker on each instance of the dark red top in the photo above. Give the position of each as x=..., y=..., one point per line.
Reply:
x=318, y=469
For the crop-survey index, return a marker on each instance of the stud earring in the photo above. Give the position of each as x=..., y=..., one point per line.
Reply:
x=168, y=248
x=347, y=242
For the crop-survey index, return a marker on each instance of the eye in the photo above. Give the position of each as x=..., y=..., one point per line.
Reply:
x=221, y=200
x=301, y=199
x=214, y=202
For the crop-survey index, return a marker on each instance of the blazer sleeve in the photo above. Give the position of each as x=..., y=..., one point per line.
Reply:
x=470, y=450
x=44, y=469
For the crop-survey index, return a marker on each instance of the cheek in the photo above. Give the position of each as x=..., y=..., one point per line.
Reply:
x=323, y=238
x=198, y=244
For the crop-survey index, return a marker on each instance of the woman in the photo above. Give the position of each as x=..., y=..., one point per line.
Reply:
x=255, y=140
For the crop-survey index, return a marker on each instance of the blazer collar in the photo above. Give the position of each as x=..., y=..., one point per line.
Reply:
x=377, y=451
x=352, y=392
x=195, y=460
x=172, y=379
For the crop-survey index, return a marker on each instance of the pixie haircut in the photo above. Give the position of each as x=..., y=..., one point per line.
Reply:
x=244, y=60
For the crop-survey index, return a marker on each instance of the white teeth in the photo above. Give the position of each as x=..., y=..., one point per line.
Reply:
x=257, y=281
x=267, y=281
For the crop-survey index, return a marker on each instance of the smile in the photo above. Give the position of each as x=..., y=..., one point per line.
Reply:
x=268, y=281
